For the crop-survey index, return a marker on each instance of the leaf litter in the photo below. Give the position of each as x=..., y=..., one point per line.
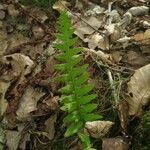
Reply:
x=114, y=37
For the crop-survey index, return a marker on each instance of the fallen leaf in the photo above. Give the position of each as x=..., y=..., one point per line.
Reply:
x=3, y=42
x=28, y=103
x=136, y=59
x=60, y=5
x=98, y=129
x=117, y=143
x=142, y=37
x=2, y=137
x=139, y=90
x=123, y=116
x=52, y=103
x=3, y=102
x=50, y=126
x=97, y=40
x=38, y=32
x=82, y=28
x=20, y=64
x=13, y=138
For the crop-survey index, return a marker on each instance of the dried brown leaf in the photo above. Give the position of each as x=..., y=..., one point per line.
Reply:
x=139, y=90
x=28, y=103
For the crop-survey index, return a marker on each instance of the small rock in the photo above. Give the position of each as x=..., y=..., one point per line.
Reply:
x=2, y=14
x=38, y=32
x=12, y=11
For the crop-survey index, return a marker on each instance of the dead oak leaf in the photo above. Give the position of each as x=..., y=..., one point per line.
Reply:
x=28, y=103
x=139, y=90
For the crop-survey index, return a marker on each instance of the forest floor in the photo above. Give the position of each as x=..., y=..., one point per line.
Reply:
x=115, y=42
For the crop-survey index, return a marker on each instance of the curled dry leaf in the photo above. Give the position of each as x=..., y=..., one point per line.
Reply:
x=139, y=90
x=28, y=103
x=97, y=129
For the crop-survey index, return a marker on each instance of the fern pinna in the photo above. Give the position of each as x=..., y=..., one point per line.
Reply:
x=75, y=99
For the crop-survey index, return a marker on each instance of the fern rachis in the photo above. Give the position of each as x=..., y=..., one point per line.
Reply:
x=75, y=99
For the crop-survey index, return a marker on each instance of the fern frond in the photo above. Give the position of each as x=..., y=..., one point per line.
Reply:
x=76, y=98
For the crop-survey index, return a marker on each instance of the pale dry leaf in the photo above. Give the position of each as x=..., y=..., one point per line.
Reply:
x=61, y=5
x=139, y=10
x=15, y=40
x=13, y=138
x=82, y=29
x=98, y=129
x=38, y=32
x=97, y=40
x=3, y=102
x=28, y=103
x=50, y=126
x=139, y=90
x=12, y=11
x=24, y=141
x=99, y=56
x=19, y=63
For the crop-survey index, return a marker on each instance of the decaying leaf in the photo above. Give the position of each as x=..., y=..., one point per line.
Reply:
x=123, y=116
x=28, y=103
x=3, y=42
x=139, y=90
x=142, y=37
x=97, y=40
x=52, y=103
x=60, y=5
x=19, y=63
x=2, y=137
x=97, y=129
x=13, y=138
x=50, y=126
x=136, y=59
x=117, y=143
x=3, y=102
x=83, y=29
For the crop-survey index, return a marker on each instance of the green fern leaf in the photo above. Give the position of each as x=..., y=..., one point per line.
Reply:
x=76, y=98
x=73, y=128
